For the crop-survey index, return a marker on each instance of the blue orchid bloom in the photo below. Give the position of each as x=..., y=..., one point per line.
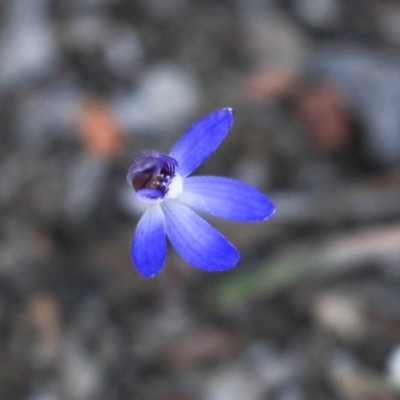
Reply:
x=162, y=182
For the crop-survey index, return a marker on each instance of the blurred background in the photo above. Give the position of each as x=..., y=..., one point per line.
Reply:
x=313, y=309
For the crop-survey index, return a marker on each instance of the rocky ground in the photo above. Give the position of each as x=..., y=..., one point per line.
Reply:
x=313, y=309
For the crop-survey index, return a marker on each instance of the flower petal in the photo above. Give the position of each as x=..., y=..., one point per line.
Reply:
x=196, y=240
x=226, y=198
x=149, y=247
x=201, y=139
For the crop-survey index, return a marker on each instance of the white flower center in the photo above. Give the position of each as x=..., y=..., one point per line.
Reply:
x=175, y=188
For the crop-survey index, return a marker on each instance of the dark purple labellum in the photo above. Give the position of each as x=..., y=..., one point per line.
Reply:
x=151, y=172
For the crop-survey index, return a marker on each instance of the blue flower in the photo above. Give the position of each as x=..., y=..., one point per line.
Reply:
x=162, y=182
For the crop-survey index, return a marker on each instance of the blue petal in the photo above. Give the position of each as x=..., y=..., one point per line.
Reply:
x=201, y=139
x=149, y=247
x=197, y=241
x=226, y=198
x=149, y=194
